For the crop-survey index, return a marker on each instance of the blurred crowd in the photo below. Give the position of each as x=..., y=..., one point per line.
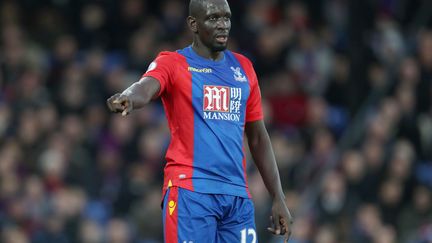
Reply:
x=346, y=88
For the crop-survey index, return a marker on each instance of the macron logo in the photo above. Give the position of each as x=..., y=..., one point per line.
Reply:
x=200, y=70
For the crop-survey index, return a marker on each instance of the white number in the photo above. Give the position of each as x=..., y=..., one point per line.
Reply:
x=250, y=231
x=243, y=235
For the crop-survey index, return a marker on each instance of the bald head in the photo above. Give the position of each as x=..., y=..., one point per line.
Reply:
x=194, y=7
x=199, y=7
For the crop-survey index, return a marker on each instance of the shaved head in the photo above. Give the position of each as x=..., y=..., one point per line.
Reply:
x=197, y=7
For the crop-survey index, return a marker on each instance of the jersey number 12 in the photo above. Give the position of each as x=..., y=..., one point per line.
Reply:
x=250, y=231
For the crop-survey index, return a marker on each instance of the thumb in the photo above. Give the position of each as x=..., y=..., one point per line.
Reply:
x=127, y=107
x=276, y=223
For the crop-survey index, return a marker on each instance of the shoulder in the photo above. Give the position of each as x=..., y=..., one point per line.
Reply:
x=247, y=66
x=243, y=60
x=168, y=56
x=167, y=60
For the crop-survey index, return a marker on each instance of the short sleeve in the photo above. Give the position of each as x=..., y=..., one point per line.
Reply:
x=162, y=69
x=253, y=105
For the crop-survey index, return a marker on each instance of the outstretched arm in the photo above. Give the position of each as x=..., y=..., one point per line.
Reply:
x=262, y=153
x=135, y=96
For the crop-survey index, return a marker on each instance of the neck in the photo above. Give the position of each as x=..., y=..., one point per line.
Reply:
x=205, y=52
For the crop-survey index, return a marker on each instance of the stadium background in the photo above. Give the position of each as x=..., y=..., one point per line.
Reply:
x=346, y=91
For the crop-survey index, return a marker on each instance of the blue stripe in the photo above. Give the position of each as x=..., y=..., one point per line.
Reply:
x=218, y=144
x=164, y=212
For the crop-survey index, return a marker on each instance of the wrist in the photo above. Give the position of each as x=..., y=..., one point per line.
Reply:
x=127, y=93
x=278, y=196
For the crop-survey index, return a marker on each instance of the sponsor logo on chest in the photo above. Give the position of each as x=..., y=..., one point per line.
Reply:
x=222, y=103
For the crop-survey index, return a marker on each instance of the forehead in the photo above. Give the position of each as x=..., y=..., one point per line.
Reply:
x=215, y=7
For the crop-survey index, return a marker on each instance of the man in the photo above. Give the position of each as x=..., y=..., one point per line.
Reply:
x=211, y=98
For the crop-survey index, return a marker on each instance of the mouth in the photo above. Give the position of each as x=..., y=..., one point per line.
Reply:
x=222, y=38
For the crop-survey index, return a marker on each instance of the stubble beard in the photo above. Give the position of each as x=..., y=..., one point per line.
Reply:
x=217, y=48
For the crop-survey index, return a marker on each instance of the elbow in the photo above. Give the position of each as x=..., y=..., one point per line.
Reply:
x=255, y=141
x=146, y=99
x=257, y=135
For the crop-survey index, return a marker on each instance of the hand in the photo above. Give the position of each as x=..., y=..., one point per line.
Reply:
x=120, y=103
x=281, y=219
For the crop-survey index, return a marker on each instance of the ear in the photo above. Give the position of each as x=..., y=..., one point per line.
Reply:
x=192, y=24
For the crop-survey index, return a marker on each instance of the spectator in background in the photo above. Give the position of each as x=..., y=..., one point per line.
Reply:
x=416, y=215
x=326, y=234
x=354, y=169
x=335, y=204
x=358, y=70
x=90, y=232
x=14, y=235
x=118, y=231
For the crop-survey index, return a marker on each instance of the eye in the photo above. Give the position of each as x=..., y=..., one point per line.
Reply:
x=212, y=18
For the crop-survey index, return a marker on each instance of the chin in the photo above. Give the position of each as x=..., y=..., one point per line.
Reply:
x=219, y=47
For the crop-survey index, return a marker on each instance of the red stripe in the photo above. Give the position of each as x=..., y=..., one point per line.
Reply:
x=245, y=175
x=253, y=105
x=171, y=218
x=180, y=116
x=250, y=74
x=247, y=67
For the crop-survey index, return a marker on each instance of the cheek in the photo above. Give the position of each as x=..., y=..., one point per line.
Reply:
x=206, y=28
x=205, y=34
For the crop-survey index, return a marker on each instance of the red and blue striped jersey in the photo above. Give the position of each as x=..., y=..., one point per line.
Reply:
x=207, y=104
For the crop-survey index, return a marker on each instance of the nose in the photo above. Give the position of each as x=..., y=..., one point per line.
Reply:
x=223, y=23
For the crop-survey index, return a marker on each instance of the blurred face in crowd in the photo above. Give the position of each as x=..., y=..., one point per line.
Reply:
x=425, y=48
x=325, y=234
x=423, y=199
x=118, y=231
x=385, y=234
x=391, y=192
x=409, y=70
x=402, y=160
x=374, y=154
x=90, y=232
x=368, y=217
x=334, y=192
x=353, y=166
x=13, y=235
x=210, y=21
x=302, y=229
